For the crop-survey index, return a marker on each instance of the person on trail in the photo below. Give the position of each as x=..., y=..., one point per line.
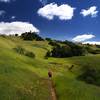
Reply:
x=49, y=74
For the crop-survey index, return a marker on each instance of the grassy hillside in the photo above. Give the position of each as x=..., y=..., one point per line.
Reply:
x=66, y=83
x=21, y=77
x=25, y=78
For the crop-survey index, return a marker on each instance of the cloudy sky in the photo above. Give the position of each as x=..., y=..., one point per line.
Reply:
x=75, y=20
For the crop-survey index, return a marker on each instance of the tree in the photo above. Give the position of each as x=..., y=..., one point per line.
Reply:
x=48, y=39
x=31, y=36
x=48, y=54
x=61, y=51
x=67, y=51
x=53, y=43
x=78, y=50
x=16, y=35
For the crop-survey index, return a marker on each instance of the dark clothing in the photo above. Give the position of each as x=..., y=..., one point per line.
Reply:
x=50, y=74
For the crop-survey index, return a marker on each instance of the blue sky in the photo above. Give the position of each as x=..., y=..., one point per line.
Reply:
x=75, y=20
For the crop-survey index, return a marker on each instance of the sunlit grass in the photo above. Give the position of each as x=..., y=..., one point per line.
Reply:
x=24, y=78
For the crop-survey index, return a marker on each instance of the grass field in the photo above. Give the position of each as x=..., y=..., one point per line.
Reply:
x=24, y=78
x=68, y=87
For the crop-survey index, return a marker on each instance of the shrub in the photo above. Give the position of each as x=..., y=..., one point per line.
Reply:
x=48, y=39
x=95, y=51
x=98, y=46
x=66, y=51
x=78, y=50
x=53, y=43
x=91, y=76
x=3, y=35
x=61, y=52
x=16, y=35
x=30, y=54
x=20, y=50
x=48, y=54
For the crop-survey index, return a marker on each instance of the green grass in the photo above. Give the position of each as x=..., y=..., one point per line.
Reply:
x=25, y=78
x=71, y=89
x=68, y=87
x=21, y=77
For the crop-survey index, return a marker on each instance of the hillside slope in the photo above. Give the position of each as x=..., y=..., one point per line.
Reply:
x=24, y=78
x=21, y=77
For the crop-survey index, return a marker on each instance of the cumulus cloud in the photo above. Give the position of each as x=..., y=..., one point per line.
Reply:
x=92, y=42
x=63, y=12
x=92, y=11
x=2, y=12
x=44, y=2
x=82, y=38
x=16, y=27
x=5, y=0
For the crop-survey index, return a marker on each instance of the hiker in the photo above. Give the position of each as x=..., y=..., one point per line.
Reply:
x=49, y=74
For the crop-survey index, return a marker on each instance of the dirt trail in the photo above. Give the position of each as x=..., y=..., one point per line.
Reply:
x=53, y=92
x=52, y=89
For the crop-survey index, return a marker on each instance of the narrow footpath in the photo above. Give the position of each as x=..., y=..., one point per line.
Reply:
x=52, y=89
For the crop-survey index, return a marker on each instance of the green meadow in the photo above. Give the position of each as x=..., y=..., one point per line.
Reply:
x=25, y=78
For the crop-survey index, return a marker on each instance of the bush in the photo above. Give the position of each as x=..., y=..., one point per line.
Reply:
x=91, y=76
x=53, y=43
x=98, y=46
x=71, y=44
x=30, y=54
x=48, y=39
x=20, y=50
x=61, y=52
x=95, y=51
x=16, y=35
x=66, y=51
x=3, y=35
x=48, y=54
x=78, y=50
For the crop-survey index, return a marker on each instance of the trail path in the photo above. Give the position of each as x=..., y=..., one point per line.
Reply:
x=52, y=89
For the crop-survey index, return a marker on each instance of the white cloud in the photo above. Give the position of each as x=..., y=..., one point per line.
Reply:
x=6, y=1
x=92, y=11
x=82, y=38
x=13, y=17
x=16, y=27
x=2, y=12
x=44, y=2
x=92, y=42
x=63, y=12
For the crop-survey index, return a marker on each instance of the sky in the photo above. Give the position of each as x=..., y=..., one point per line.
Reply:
x=74, y=20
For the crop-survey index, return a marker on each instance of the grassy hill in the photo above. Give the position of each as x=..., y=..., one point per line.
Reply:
x=25, y=78
x=66, y=83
